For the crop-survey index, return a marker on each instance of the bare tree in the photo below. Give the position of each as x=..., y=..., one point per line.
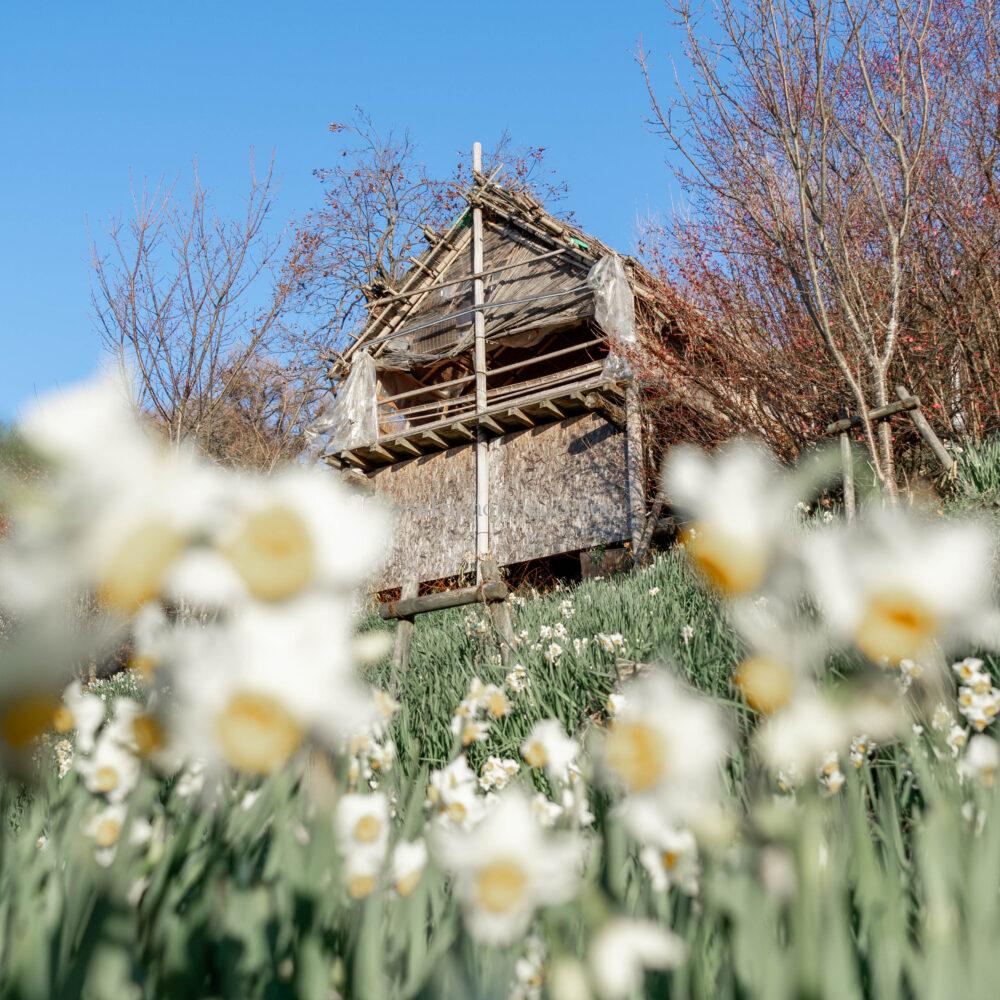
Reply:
x=194, y=302
x=806, y=130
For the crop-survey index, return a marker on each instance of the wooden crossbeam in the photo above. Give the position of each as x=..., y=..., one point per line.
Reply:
x=882, y=413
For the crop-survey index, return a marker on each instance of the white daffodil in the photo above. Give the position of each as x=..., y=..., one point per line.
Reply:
x=547, y=746
x=517, y=679
x=615, y=703
x=362, y=872
x=452, y=794
x=470, y=731
x=982, y=760
x=957, y=738
x=739, y=504
x=507, y=867
x=111, y=770
x=141, y=731
x=298, y=530
x=861, y=748
x=495, y=774
x=81, y=713
x=576, y=800
x=664, y=749
x=409, y=861
x=902, y=582
x=249, y=691
x=798, y=737
x=547, y=812
x=624, y=949
x=671, y=858
x=105, y=829
x=362, y=823
x=831, y=778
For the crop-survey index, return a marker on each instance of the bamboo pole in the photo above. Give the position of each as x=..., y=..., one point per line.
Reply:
x=479, y=320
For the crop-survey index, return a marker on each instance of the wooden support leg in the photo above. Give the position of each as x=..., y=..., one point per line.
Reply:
x=927, y=433
x=404, y=637
x=500, y=614
x=635, y=467
x=847, y=462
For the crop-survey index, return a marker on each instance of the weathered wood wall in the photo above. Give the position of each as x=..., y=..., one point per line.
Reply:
x=556, y=488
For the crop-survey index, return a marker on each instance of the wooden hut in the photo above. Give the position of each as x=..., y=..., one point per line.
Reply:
x=488, y=397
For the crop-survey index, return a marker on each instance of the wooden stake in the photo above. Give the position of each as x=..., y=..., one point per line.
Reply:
x=634, y=467
x=404, y=637
x=927, y=433
x=847, y=461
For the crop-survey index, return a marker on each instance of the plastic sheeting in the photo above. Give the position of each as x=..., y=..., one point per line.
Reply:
x=351, y=420
x=614, y=311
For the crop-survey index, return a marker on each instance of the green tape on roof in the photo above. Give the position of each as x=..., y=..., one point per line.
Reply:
x=579, y=243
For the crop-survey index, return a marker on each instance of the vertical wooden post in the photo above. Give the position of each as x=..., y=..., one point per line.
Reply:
x=500, y=613
x=404, y=637
x=635, y=467
x=847, y=461
x=927, y=433
x=479, y=321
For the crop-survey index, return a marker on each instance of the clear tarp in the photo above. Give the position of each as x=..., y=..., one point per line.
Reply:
x=351, y=420
x=614, y=311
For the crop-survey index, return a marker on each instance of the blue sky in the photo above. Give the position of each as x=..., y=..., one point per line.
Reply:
x=93, y=96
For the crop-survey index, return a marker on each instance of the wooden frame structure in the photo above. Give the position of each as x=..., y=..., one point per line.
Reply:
x=501, y=399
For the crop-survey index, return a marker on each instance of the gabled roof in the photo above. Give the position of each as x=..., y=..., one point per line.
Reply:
x=535, y=276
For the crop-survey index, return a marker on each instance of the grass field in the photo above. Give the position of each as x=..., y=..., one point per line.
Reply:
x=748, y=789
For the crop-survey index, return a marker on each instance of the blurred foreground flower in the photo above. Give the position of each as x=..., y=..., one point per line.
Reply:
x=507, y=867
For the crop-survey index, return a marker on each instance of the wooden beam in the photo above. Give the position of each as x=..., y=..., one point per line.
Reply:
x=436, y=439
x=927, y=433
x=492, y=424
x=635, y=466
x=521, y=415
x=547, y=404
x=408, y=445
x=882, y=413
x=482, y=593
x=463, y=430
x=383, y=452
x=353, y=459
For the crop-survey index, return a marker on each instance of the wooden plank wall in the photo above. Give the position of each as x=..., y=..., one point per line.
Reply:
x=556, y=488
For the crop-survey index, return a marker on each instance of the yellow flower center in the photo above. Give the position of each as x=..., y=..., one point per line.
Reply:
x=730, y=564
x=457, y=812
x=273, y=553
x=635, y=752
x=497, y=704
x=256, y=734
x=670, y=859
x=62, y=720
x=360, y=886
x=765, y=683
x=536, y=754
x=407, y=883
x=107, y=831
x=135, y=571
x=896, y=626
x=988, y=776
x=500, y=886
x=25, y=719
x=148, y=735
x=367, y=829
x=106, y=778
x=469, y=735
